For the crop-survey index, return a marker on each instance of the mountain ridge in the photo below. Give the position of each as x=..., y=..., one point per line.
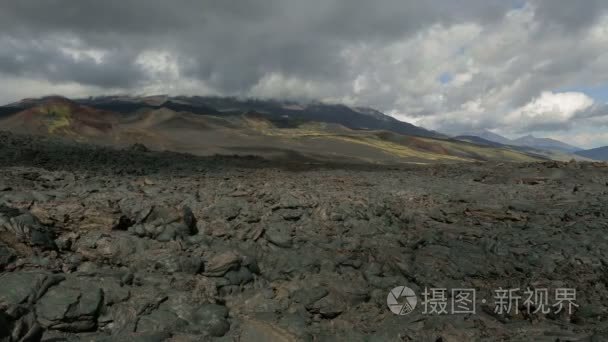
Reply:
x=212, y=125
x=545, y=143
x=486, y=135
x=599, y=153
x=529, y=141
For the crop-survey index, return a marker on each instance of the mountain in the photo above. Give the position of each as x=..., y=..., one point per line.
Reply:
x=283, y=113
x=487, y=135
x=545, y=148
x=57, y=115
x=525, y=141
x=356, y=118
x=545, y=144
x=479, y=140
x=127, y=104
x=313, y=132
x=600, y=153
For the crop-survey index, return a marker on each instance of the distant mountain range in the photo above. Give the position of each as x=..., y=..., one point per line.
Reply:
x=600, y=153
x=526, y=141
x=540, y=147
x=479, y=141
x=545, y=144
x=314, y=132
x=486, y=135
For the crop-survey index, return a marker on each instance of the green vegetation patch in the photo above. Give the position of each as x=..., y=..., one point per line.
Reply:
x=57, y=117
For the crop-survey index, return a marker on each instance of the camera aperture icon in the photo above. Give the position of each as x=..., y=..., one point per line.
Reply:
x=401, y=300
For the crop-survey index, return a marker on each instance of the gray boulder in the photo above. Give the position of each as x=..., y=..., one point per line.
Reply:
x=7, y=255
x=279, y=234
x=71, y=306
x=222, y=263
x=26, y=228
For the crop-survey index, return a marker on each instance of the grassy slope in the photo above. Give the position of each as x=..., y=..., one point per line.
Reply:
x=57, y=116
x=450, y=150
x=200, y=134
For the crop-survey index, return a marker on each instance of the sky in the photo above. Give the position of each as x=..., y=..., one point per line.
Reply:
x=514, y=67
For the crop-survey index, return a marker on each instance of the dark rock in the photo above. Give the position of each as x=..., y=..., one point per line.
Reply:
x=308, y=296
x=117, y=248
x=222, y=263
x=329, y=306
x=289, y=201
x=239, y=277
x=189, y=220
x=139, y=148
x=171, y=263
x=290, y=214
x=127, y=279
x=279, y=234
x=212, y=319
x=251, y=263
x=24, y=328
x=26, y=228
x=265, y=330
x=135, y=209
x=71, y=306
x=123, y=223
x=160, y=321
x=5, y=326
x=22, y=287
x=165, y=224
x=122, y=318
x=7, y=256
x=137, y=337
x=227, y=209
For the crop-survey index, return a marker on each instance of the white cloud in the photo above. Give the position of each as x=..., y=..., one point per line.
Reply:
x=159, y=62
x=12, y=89
x=79, y=54
x=281, y=86
x=587, y=139
x=548, y=110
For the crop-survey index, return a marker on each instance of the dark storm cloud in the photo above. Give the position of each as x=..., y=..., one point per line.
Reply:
x=229, y=44
x=123, y=16
x=566, y=15
x=43, y=59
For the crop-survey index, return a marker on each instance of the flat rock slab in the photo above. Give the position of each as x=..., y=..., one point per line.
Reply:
x=71, y=306
x=21, y=287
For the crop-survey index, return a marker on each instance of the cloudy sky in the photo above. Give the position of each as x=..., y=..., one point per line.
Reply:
x=512, y=66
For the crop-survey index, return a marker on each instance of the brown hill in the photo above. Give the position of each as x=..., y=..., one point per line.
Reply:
x=163, y=127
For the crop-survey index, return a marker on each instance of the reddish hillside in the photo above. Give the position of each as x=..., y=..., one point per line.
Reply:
x=58, y=115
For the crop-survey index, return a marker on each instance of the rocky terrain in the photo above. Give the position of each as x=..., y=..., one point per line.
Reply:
x=131, y=245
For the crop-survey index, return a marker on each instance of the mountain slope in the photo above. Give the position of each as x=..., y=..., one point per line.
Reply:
x=354, y=118
x=487, y=135
x=600, y=153
x=274, y=129
x=539, y=147
x=479, y=140
x=59, y=116
x=544, y=143
x=126, y=104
